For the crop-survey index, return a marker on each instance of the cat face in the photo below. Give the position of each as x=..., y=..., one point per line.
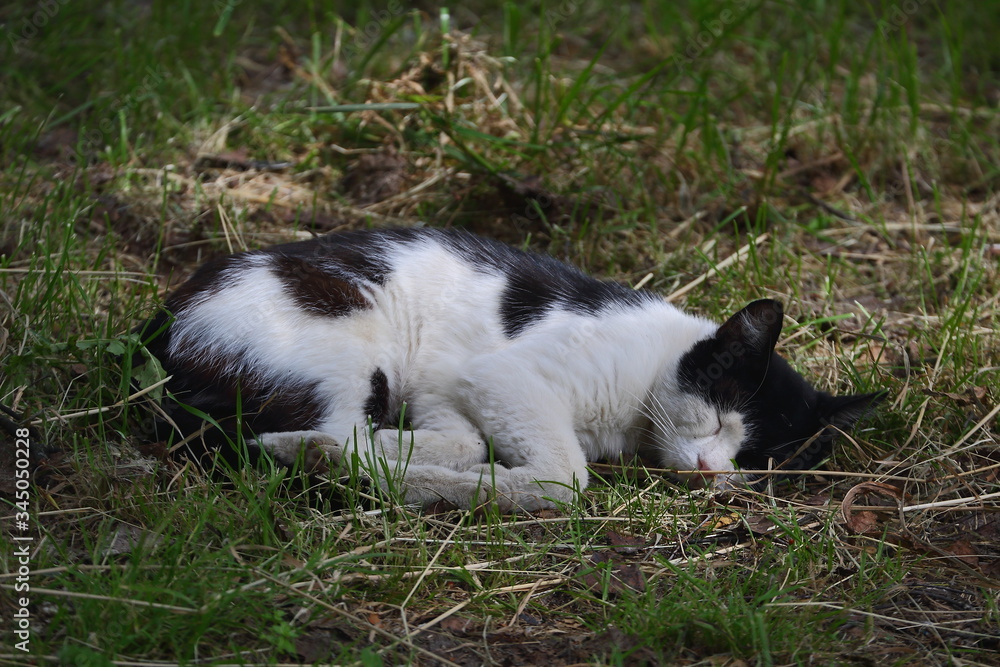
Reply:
x=737, y=405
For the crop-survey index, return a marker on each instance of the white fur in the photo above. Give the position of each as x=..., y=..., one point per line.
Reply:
x=569, y=389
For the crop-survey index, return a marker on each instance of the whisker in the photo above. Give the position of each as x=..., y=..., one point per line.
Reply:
x=662, y=412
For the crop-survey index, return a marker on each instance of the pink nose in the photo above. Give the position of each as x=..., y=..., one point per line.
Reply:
x=702, y=465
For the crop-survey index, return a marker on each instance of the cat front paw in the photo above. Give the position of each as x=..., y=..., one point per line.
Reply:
x=316, y=452
x=523, y=503
x=517, y=492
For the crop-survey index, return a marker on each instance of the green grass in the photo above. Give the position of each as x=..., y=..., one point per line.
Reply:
x=646, y=142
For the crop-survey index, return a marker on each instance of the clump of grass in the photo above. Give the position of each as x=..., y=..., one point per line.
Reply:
x=849, y=152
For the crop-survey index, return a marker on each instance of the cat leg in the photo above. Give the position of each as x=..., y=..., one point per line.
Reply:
x=532, y=430
x=426, y=484
x=391, y=450
x=441, y=438
x=429, y=465
x=425, y=466
x=456, y=450
x=444, y=458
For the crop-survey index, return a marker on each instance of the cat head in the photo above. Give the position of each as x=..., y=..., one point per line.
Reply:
x=736, y=404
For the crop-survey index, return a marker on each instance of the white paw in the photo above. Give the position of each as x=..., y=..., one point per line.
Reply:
x=516, y=491
x=317, y=451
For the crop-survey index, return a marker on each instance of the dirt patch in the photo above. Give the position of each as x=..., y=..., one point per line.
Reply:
x=375, y=177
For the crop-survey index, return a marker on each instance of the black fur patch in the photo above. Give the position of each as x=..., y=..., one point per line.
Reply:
x=316, y=288
x=358, y=254
x=238, y=402
x=537, y=287
x=378, y=406
x=536, y=283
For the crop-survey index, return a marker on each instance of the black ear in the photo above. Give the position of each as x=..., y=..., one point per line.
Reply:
x=844, y=411
x=755, y=328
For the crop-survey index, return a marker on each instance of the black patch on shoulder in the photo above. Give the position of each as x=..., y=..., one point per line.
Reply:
x=540, y=284
x=525, y=300
x=316, y=288
x=537, y=283
x=377, y=406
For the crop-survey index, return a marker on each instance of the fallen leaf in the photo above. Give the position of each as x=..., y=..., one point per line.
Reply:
x=625, y=544
x=458, y=625
x=721, y=521
x=760, y=524
x=623, y=577
x=964, y=551
x=865, y=521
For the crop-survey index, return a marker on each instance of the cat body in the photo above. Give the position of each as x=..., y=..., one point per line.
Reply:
x=510, y=370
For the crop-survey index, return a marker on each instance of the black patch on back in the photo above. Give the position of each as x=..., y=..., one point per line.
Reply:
x=360, y=254
x=316, y=288
x=536, y=283
x=377, y=406
x=321, y=274
x=541, y=284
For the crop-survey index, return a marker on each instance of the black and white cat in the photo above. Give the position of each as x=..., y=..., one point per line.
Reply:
x=305, y=345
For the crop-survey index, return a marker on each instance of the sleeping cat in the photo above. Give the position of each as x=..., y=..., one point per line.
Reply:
x=509, y=371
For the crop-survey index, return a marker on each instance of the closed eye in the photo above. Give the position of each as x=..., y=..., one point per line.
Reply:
x=718, y=429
